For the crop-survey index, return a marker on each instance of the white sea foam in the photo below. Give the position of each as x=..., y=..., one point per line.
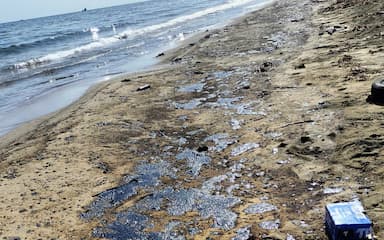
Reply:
x=114, y=29
x=185, y=18
x=259, y=5
x=95, y=33
x=129, y=33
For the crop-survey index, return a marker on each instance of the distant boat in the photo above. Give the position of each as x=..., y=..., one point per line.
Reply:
x=84, y=10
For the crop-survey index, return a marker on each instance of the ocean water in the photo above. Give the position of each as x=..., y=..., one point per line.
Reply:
x=47, y=63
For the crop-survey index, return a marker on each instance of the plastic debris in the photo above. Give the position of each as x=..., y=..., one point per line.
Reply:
x=181, y=201
x=144, y=87
x=260, y=208
x=347, y=220
x=132, y=225
x=282, y=162
x=332, y=190
x=128, y=225
x=148, y=176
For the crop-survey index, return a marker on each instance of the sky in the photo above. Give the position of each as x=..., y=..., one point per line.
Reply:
x=13, y=10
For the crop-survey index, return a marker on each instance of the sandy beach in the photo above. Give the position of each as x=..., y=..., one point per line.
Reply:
x=246, y=131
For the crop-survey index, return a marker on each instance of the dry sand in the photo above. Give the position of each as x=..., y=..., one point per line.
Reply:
x=287, y=83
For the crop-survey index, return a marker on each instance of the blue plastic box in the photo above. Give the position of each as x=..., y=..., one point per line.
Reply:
x=346, y=221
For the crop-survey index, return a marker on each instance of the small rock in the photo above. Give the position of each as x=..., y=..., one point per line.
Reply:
x=22, y=210
x=126, y=80
x=282, y=145
x=331, y=30
x=300, y=66
x=202, y=149
x=305, y=139
x=160, y=54
x=297, y=20
x=13, y=238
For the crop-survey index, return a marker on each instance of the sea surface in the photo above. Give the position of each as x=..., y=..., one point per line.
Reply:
x=47, y=63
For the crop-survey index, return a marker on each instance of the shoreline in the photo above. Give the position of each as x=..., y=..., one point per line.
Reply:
x=271, y=106
x=160, y=62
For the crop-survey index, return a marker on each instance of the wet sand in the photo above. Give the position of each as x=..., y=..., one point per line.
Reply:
x=248, y=130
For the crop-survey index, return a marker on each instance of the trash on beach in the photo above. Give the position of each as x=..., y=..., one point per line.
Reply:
x=144, y=87
x=182, y=201
x=270, y=225
x=346, y=220
x=244, y=148
x=132, y=225
x=260, y=208
x=275, y=151
x=128, y=225
x=282, y=162
x=377, y=92
x=147, y=176
x=332, y=190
